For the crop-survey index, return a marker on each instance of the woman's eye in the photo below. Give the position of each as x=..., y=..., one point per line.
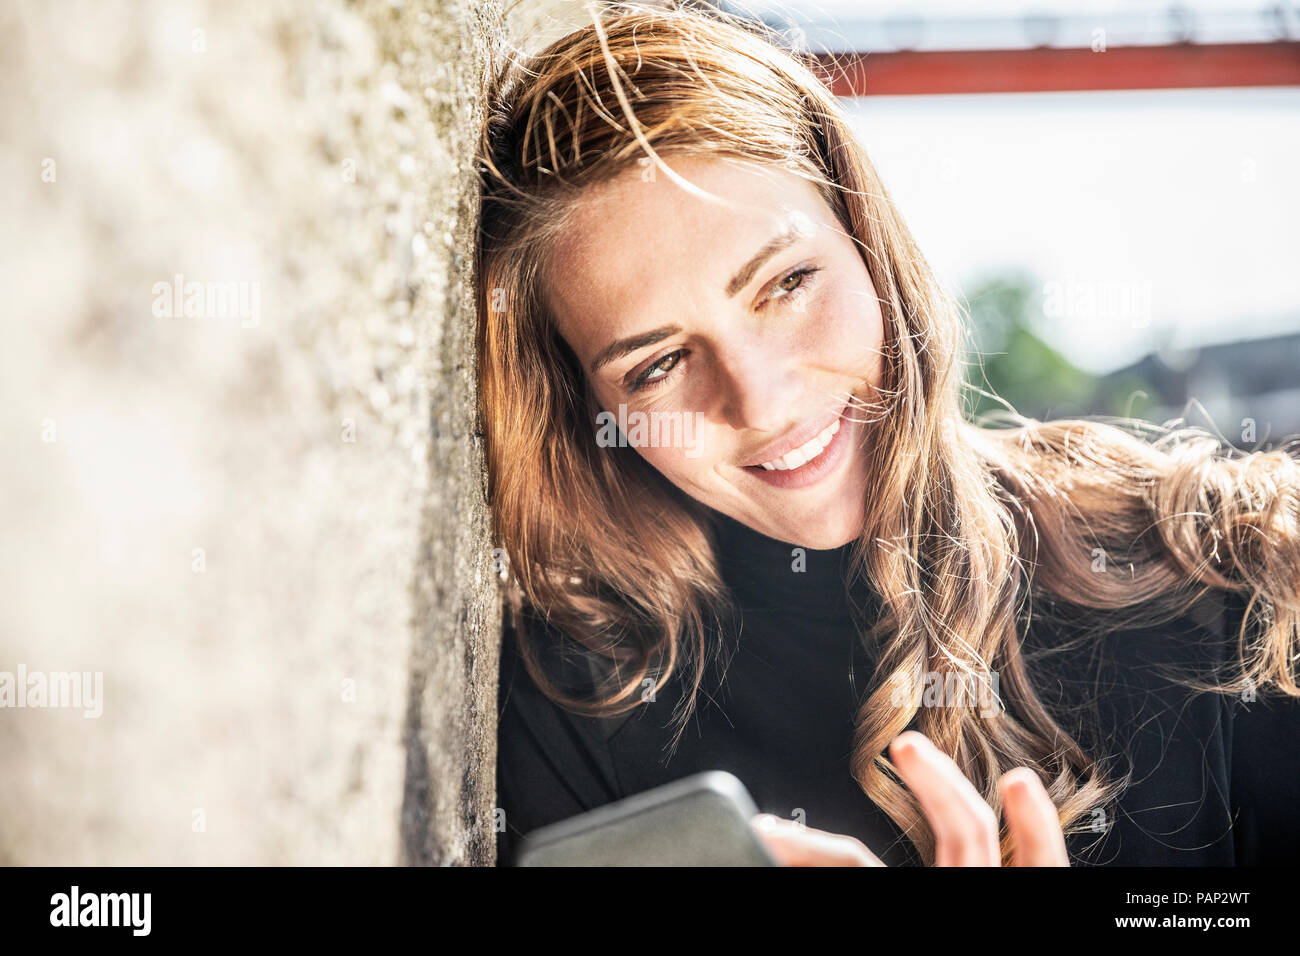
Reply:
x=791, y=282
x=795, y=284
x=657, y=372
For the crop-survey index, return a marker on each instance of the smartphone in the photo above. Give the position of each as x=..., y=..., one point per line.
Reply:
x=700, y=820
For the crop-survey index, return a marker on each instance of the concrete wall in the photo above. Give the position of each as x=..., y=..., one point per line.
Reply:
x=263, y=526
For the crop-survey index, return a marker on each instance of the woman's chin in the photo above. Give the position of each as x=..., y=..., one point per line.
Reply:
x=821, y=532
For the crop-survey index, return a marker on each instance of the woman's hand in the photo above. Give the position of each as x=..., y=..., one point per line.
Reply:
x=965, y=827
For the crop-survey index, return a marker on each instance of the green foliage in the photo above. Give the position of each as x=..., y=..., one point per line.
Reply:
x=1011, y=359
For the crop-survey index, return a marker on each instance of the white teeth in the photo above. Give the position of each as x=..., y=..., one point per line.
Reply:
x=806, y=452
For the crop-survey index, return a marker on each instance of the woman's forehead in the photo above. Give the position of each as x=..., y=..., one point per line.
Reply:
x=638, y=242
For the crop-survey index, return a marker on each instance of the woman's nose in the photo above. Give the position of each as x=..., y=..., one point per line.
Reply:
x=760, y=390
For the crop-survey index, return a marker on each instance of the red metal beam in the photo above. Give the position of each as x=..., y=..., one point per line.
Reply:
x=1044, y=69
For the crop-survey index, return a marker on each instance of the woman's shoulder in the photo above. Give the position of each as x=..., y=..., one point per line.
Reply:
x=1134, y=671
x=1140, y=641
x=1212, y=778
x=1266, y=779
x=1265, y=762
x=569, y=669
x=551, y=763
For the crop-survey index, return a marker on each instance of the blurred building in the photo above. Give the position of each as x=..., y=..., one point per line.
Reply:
x=1250, y=389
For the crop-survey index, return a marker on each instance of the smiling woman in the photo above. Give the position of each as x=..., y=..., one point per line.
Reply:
x=777, y=335
x=676, y=219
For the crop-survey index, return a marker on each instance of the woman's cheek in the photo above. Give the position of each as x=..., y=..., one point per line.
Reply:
x=692, y=450
x=854, y=330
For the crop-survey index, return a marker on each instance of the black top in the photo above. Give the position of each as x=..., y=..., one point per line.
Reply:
x=1216, y=781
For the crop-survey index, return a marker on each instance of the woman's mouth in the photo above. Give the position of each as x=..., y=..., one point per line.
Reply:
x=804, y=453
x=808, y=463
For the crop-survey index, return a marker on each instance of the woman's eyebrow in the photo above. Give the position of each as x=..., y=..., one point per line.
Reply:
x=620, y=347
x=790, y=233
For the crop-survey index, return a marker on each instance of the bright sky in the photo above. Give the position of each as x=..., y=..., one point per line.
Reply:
x=1190, y=197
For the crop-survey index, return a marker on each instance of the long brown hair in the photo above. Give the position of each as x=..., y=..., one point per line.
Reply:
x=970, y=530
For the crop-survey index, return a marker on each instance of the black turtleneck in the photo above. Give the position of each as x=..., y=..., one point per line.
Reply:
x=777, y=709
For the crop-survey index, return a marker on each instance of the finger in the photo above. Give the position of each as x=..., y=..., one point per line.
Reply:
x=793, y=844
x=965, y=826
x=1032, y=820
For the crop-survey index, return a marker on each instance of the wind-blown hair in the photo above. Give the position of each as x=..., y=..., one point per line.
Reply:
x=970, y=531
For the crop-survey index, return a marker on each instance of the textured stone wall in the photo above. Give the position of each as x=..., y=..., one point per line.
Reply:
x=242, y=481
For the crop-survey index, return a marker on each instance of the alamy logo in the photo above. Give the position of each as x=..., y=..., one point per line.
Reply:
x=962, y=689
x=239, y=299
x=649, y=430
x=59, y=689
x=102, y=909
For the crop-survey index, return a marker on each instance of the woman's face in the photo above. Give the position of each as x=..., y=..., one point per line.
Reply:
x=731, y=337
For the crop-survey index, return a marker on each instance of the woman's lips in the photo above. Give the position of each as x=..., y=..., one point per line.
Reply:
x=798, y=457
x=815, y=469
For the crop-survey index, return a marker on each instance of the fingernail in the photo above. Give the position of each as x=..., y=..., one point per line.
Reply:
x=1016, y=782
x=908, y=742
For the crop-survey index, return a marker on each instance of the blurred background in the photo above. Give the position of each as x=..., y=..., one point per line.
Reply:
x=1111, y=187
